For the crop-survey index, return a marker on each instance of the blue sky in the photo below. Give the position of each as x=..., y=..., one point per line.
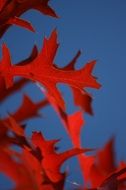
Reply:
x=98, y=28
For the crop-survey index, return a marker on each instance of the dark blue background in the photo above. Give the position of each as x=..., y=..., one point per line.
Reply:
x=98, y=28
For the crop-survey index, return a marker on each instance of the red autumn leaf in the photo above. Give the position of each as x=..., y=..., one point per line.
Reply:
x=12, y=10
x=25, y=170
x=86, y=163
x=81, y=98
x=15, y=166
x=73, y=124
x=8, y=92
x=104, y=164
x=19, y=84
x=32, y=56
x=106, y=157
x=17, y=134
x=41, y=70
x=20, y=22
x=32, y=162
x=11, y=123
x=17, y=137
x=122, y=165
x=111, y=182
x=46, y=146
x=72, y=63
x=122, y=178
x=28, y=109
x=52, y=161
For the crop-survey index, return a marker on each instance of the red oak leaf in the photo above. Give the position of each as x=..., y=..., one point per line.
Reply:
x=104, y=164
x=17, y=168
x=104, y=173
x=11, y=123
x=41, y=70
x=122, y=165
x=81, y=98
x=12, y=10
x=111, y=182
x=28, y=109
x=32, y=56
x=19, y=84
x=31, y=161
x=20, y=22
x=52, y=161
x=25, y=170
x=106, y=157
x=17, y=134
x=121, y=178
x=8, y=92
x=73, y=124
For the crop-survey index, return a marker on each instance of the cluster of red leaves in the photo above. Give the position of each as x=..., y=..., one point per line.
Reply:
x=37, y=165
